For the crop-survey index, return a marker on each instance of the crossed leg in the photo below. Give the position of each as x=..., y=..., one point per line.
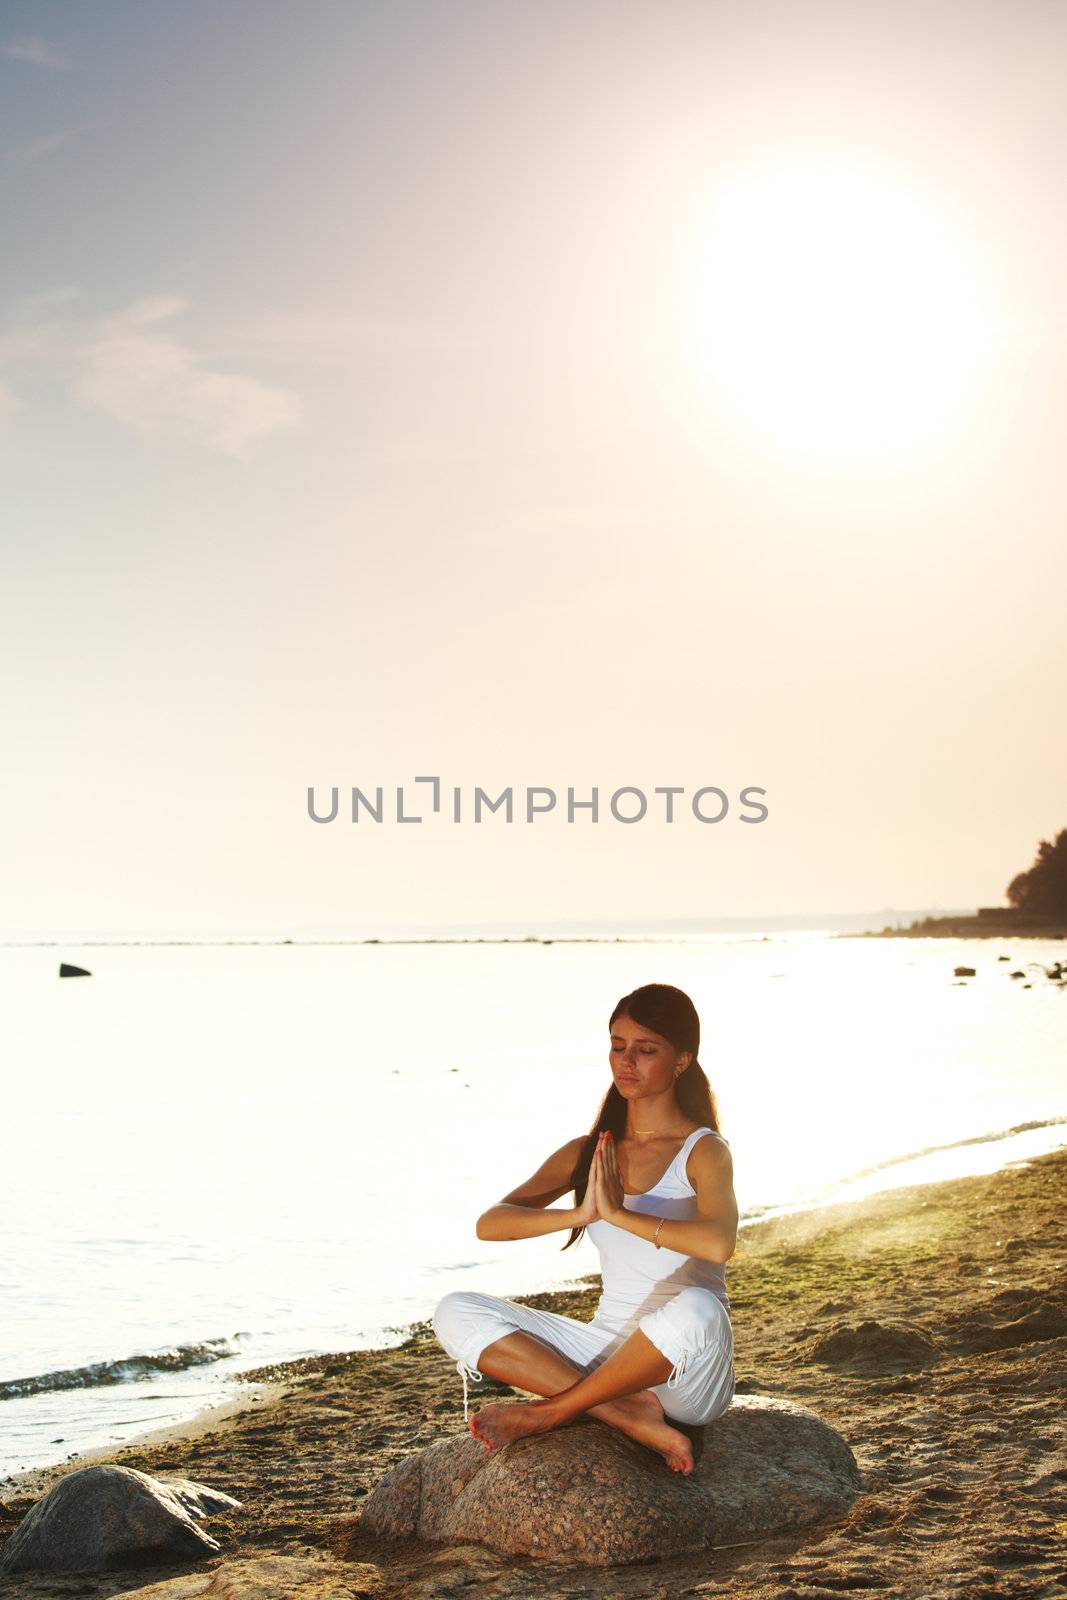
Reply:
x=616, y=1392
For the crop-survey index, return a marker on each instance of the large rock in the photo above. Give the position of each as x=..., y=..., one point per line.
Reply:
x=587, y=1494
x=104, y=1518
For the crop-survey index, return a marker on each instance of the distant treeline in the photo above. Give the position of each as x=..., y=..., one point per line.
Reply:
x=1042, y=890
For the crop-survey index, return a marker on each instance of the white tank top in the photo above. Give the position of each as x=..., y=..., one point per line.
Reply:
x=637, y=1276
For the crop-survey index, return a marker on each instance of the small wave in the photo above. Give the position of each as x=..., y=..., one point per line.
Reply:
x=128, y=1370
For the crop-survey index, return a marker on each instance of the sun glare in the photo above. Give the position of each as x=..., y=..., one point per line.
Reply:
x=836, y=313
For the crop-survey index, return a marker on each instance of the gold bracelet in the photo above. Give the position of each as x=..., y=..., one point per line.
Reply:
x=655, y=1236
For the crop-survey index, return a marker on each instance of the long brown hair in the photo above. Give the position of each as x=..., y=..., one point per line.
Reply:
x=669, y=1012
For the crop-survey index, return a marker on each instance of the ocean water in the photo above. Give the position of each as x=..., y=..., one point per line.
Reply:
x=214, y=1157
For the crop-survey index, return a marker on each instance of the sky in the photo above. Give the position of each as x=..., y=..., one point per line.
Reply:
x=562, y=394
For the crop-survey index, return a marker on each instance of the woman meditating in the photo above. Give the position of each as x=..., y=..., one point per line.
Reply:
x=653, y=1185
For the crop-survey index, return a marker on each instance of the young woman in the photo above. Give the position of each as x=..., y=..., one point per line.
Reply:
x=653, y=1185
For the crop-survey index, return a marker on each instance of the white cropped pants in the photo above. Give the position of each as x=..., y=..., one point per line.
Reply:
x=692, y=1331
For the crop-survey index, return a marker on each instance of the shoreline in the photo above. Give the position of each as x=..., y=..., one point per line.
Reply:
x=967, y=928
x=962, y=1460
x=850, y=1190
x=951, y=927
x=37, y=1478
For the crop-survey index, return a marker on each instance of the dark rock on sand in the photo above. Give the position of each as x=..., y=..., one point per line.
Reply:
x=105, y=1518
x=964, y=972
x=876, y=1347
x=587, y=1494
x=68, y=971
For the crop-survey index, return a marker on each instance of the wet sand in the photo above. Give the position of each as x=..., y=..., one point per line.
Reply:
x=964, y=1461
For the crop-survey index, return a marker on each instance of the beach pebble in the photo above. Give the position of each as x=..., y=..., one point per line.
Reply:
x=104, y=1518
x=586, y=1494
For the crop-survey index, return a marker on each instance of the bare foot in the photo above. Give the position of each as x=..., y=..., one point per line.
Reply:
x=641, y=1417
x=498, y=1424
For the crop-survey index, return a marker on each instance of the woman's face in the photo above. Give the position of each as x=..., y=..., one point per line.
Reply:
x=642, y=1062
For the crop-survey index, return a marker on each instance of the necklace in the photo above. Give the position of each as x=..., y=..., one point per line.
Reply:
x=647, y=1137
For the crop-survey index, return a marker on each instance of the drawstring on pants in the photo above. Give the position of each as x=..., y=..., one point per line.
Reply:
x=672, y=1381
x=474, y=1375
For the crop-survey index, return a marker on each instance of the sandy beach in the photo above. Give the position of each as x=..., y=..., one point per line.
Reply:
x=964, y=1461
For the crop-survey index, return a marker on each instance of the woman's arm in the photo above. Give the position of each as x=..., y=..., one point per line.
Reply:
x=522, y=1214
x=712, y=1234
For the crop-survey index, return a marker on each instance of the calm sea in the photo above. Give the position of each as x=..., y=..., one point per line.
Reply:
x=214, y=1157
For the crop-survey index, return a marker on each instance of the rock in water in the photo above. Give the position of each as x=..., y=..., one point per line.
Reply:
x=68, y=971
x=104, y=1518
x=587, y=1494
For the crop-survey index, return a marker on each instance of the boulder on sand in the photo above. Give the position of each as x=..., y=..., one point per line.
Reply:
x=587, y=1494
x=105, y=1518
